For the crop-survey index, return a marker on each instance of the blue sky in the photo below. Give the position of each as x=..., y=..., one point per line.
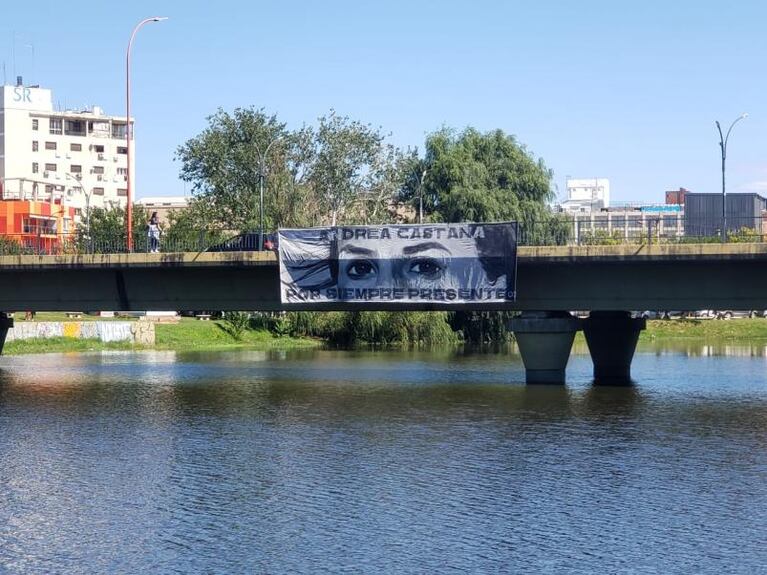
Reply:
x=627, y=91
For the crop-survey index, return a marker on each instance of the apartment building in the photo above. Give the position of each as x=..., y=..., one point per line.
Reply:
x=74, y=158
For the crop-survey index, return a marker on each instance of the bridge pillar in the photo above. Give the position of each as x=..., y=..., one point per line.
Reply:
x=612, y=338
x=6, y=323
x=544, y=340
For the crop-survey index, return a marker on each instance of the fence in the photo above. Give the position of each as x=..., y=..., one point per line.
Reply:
x=606, y=228
x=597, y=229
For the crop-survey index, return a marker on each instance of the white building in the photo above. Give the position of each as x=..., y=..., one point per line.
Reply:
x=76, y=157
x=587, y=194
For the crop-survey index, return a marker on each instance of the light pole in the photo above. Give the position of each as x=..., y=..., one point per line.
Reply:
x=420, y=197
x=128, y=131
x=723, y=146
x=261, y=169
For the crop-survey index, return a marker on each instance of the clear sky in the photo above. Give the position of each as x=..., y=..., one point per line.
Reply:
x=626, y=91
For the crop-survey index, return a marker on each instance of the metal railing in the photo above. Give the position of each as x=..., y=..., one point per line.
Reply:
x=604, y=229
x=564, y=231
x=81, y=243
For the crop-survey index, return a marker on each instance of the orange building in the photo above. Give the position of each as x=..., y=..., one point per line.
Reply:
x=41, y=226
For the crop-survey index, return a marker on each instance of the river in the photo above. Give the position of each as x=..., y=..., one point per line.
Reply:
x=382, y=462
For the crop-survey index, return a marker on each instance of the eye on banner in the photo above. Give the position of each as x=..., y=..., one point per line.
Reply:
x=435, y=263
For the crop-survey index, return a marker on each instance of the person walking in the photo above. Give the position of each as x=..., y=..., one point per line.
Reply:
x=153, y=233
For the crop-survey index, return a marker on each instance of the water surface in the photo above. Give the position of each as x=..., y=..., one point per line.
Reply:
x=381, y=462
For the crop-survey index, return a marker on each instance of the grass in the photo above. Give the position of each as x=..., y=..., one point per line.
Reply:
x=189, y=334
x=186, y=334
x=734, y=329
x=61, y=345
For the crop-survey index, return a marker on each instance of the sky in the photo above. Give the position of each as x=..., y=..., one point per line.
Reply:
x=625, y=91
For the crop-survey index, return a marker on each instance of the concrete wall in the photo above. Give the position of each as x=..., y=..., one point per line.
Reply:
x=138, y=332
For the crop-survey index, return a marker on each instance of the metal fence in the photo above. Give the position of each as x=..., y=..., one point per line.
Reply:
x=594, y=229
x=606, y=228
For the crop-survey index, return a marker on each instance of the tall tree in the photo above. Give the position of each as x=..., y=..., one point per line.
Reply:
x=471, y=176
x=223, y=164
x=342, y=170
x=353, y=171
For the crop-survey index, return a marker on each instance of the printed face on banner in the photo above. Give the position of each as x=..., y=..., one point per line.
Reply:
x=440, y=262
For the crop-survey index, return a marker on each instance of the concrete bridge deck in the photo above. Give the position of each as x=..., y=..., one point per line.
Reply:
x=621, y=277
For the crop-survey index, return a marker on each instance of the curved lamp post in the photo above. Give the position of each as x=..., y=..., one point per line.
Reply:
x=723, y=146
x=128, y=131
x=420, y=197
x=261, y=170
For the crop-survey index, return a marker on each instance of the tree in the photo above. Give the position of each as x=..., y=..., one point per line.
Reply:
x=475, y=177
x=223, y=165
x=471, y=176
x=353, y=168
x=108, y=231
x=342, y=170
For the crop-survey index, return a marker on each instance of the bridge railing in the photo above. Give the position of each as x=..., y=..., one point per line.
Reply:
x=605, y=228
x=586, y=229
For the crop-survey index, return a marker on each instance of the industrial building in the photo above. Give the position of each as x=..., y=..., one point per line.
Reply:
x=703, y=214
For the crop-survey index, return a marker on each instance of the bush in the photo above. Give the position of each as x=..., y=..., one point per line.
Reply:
x=236, y=323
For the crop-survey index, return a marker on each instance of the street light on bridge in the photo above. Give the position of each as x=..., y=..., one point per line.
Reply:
x=261, y=174
x=723, y=146
x=128, y=131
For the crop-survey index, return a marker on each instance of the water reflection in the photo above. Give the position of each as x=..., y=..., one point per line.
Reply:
x=314, y=461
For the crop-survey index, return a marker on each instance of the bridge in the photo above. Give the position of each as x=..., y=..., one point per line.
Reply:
x=607, y=281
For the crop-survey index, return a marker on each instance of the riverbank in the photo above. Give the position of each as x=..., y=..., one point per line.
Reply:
x=191, y=334
x=711, y=329
x=182, y=335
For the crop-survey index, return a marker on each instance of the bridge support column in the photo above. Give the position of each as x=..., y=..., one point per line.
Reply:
x=6, y=323
x=612, y=338
x=544, y=340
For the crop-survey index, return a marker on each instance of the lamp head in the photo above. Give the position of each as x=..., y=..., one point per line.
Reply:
x=159, y=18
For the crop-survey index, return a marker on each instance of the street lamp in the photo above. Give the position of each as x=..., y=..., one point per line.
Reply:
x=420, y=197
x=128, y=131
x=723, y=146
x=261, y=169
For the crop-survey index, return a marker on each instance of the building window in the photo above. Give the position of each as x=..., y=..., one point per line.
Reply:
x=35, y=145
x=48, y=188
x=122, y=171
x=35, y=167
x=75, y=169
x=98, y=191
x=75, y=147
x=35, y=124
x=118, y=131
x=75, y=128
x=122, y=192
x=50, y=167
x=122, y=150
x=50, y=145
x=97, y=170
x=98, y=149
x=55, y=127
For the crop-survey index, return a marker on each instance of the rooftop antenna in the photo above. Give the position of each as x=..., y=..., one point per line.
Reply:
x=32, y=71
x=13, y=51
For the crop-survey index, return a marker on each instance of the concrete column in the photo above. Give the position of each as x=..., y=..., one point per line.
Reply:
x=612, y=338
x=544, y=340
x=6, y=323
